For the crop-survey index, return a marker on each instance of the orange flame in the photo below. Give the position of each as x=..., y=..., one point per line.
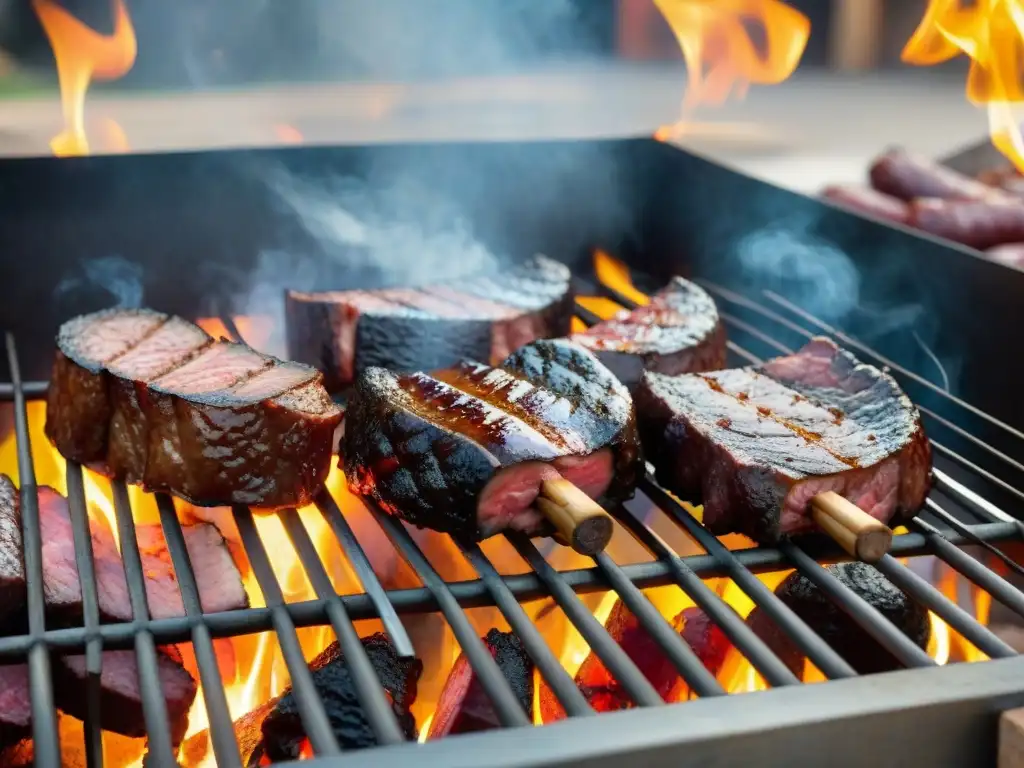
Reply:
x=991, y=34
x=729, y=44
x=83, y=54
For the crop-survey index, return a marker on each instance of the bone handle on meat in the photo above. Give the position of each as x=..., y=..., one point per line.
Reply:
x=581, y=523
x=857, y=532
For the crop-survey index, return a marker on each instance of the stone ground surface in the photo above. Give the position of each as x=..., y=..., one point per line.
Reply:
x=802, y=134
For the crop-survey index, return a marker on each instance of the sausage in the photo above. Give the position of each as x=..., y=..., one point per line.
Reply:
x=869, y=201
x=907, y=176
x=1011, y=254
x=980, y=224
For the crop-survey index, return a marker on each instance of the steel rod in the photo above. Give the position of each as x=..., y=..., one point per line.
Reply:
x=154, y=708
x=44, y=714
x=558, y=680
x=506, y=705
x=372, y=697
x=314, y=718
x=623, y=669
x=222, y=736
x=965, y=530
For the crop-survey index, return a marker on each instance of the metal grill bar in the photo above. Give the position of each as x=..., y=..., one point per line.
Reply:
x=506, y=706
x=615, y=659
x=375, y=702
x=964, y=530
x=44, y=713
x=311, y=709
x=154, y=708
x=565, y=690
x=84, y=561
x=222, y=736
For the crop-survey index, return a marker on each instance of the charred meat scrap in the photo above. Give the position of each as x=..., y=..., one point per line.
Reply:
x=755, y=445
x=464, y=707
x=484, y=317
x=854, y=644
x=465, y=451
x=679, y=331
x=274, y=731
x=604, y=692
x=12, y=562
x=153, y=400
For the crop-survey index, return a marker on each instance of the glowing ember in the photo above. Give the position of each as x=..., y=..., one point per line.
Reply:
x=991, y=34
x=729, y=44
x=83, y=54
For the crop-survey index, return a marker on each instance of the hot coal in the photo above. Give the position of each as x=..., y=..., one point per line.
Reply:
x=153, y=400
x=606, y=694
x=835, y=627
x=754, y=445
x=465, y=451
x=12, y=561
x=464, y=707
x=343, y=333
x=679, y=331
x=121, y=708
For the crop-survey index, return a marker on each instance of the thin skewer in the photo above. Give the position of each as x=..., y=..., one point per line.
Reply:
x=580, y=521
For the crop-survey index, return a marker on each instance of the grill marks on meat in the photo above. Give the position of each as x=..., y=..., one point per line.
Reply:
x=464, y=707
x=12, y=560
x=756, y=444
x=604, y=692
x=153, y=400
x=465, y=452
x=345, y=332
x=865, y=654
x=679, y=331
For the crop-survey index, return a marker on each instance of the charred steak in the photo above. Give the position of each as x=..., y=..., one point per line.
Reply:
x=153, y=400
x=412, y=329
x=846, y=636
x=679, y=331
x=754, y=445
x=466, y=450
x=12, y=556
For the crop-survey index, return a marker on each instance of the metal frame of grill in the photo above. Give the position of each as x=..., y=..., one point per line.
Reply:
x=879, y=715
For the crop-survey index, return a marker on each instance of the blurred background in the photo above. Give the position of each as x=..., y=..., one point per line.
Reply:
x=252, y=72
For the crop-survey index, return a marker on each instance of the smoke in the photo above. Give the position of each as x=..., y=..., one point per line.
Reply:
x=119, y=278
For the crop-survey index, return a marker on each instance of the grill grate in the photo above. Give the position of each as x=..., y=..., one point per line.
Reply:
x=939, y=531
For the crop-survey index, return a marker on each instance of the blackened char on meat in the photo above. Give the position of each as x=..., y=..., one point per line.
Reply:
x=754, y=445
x=12, y=559
x=408, y=329
x=861, y=651
x=606, y=694
x=679, y=331
x=465, y=451
x=282, y=729
x=464, y=707
x=153, y=400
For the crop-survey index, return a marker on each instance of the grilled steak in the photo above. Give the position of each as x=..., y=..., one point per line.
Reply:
x=15, y=706
x=464, y=707
x=466, y=451
x=408, y=329
x=154, y=400
x=606, y=694
x=679, y=331
x=121, y=697
x=754, y=445
x=854, y=644
x=12, y=560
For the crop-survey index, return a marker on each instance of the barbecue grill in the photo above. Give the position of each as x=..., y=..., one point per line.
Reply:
x=662, y=211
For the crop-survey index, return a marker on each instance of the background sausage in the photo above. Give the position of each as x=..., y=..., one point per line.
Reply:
x=978, y=223
x=1011, y=254
x=907, y=176
x=867, y=200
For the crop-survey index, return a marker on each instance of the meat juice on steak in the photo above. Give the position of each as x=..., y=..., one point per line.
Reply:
x=464, y=706
x=466, y=453
x=12, y=559
x=606, y=694
x=153, y=400
x=861, y=651
x=273, y=731
x=679, y=331
x=408, y=329
x=754, y=445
